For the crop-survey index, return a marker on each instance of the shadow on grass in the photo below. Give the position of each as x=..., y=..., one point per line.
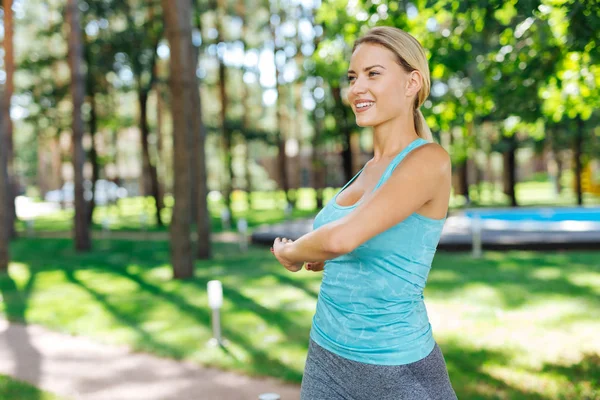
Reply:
x=515, y=275
x=133, y=314
x=470, y=381
x=466, y=367
x=583, y=376
x=514, y=272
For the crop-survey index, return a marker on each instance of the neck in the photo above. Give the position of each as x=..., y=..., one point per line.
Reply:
x=392, y=136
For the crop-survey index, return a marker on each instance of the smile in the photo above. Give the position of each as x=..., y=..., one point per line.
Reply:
x=360, y=107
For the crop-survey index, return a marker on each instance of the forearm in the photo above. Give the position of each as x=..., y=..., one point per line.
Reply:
x=318, y=245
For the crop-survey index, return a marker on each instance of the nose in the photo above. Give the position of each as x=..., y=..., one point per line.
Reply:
x=358, y=87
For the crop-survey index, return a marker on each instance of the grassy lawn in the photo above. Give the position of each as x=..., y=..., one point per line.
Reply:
x=516, y=325
x=17, y=390
x=136, y=213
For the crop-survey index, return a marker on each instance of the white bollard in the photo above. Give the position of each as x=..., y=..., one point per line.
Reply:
x=476, y=235
x=215, y=302
x=242, y=226
x=269, y=396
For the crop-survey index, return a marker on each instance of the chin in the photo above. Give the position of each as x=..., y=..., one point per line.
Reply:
x=365, y=122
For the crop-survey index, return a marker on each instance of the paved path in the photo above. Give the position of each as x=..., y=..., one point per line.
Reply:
x=80, y=369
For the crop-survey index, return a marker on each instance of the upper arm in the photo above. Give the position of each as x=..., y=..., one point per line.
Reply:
x=416, y=180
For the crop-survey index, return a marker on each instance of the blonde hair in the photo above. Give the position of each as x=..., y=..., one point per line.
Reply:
x=410, y=56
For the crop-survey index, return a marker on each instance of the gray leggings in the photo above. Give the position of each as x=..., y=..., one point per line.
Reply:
x=328, y=376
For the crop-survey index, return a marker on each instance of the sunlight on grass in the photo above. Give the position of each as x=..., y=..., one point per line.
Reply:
x=524, y=313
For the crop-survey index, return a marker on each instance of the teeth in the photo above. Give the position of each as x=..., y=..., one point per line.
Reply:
x=362, y=105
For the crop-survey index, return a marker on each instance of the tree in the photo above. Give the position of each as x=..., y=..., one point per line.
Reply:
x=4, y=197
x=143, y=41
x=220, y=10
x=81, y=231
x=198, y=176
x=182, y=80
x=9, y=67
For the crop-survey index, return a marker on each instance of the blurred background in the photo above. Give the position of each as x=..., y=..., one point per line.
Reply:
x=140, y=139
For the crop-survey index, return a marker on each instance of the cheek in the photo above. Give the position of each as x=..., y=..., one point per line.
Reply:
x=390, y=99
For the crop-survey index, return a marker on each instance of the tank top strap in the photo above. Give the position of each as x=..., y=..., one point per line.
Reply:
x=351, y=180
x=398, y=159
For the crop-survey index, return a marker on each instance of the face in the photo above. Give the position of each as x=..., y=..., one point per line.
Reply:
x=380, y=89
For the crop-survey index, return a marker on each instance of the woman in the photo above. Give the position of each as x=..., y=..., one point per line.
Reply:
x=375, y=240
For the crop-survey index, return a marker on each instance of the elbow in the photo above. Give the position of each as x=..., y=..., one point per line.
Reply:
x=337, y=241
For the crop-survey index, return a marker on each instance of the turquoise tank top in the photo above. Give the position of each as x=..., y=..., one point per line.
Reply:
x=370, y=306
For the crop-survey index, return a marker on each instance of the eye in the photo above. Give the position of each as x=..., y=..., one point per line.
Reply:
x=373, y=73
x=351, y=78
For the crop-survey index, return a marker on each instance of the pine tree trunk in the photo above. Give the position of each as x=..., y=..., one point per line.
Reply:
x=318, y=163
x=340, y=112
x=93, y=157
x=194, y=141
x=4, y=198
x=510, y=170
x=463, y=179
x=245, y=95
x=9, y=67
x=577, y=160
x=200, y=188
x=281, y=136
x=146, y=161
x=182, y=80
x=81, y=231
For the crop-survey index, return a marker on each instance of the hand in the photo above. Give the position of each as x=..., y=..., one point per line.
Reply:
x=277, y=250
x=315, y=266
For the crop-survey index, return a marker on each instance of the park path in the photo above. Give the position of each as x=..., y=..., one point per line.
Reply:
x=81, y=369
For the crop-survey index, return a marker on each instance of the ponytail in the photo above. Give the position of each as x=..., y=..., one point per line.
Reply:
x=421, y=125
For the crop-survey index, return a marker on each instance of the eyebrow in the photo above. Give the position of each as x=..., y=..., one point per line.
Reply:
x=368, y=68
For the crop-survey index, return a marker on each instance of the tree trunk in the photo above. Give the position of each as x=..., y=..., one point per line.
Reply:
x=463, y=179
x=318, y=164
x=146, y=161
x=340, y=112
x=200, y=193
x=4, y=198
x=226, y=132
x=559, y=172
x=93, y=157
x=9, y=67
x=577, y=160
x=81, y=231
x=245, y=95
x=281, y=136
x=160, y=165
x=510, y=170
x=182, y=80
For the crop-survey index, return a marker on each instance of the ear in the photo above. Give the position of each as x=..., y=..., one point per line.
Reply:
x=414, y=82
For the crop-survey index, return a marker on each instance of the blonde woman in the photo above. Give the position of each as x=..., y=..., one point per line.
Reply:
x=375, y=240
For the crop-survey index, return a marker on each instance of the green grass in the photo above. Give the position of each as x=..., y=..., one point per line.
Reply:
x=515, y=325
x=12, y=389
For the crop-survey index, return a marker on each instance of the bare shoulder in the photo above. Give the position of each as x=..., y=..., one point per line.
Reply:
x=432, y=155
